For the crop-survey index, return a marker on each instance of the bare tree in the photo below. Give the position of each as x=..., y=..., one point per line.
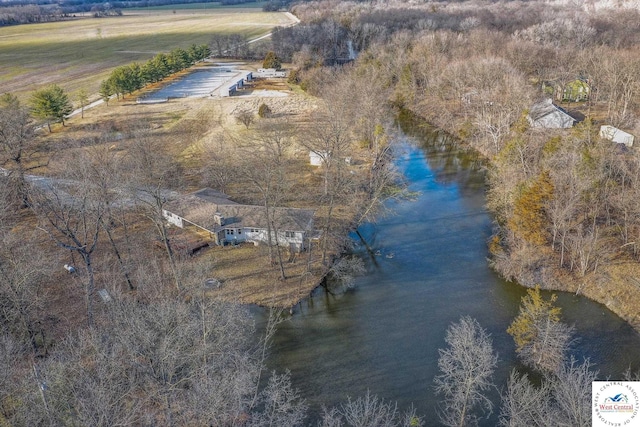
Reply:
x=22, y=298
x=153, y=171
x=330, y=138
x=83, y=99
x=547, y=351
x=219, y=167
x=265, y=168
x=18, y=148
x=524, y=405
x=220, y=44
x=281, y=404
x=369, y=411
x=629, y=375
x=571, y=393
x=72, y=219
x=85, y=382
x=180, y=363
x=245, y=117
x=101, y=167
x=562, y=399
x=343, y=273
x=18, y=385
x=466, y=367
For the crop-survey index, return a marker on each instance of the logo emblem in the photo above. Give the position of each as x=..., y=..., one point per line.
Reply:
x=615, y=403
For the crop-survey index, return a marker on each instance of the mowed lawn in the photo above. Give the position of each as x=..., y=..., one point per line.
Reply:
x=80, y=53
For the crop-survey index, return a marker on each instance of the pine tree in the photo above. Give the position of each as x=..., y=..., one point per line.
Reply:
x=51, y=104
x=271, y=61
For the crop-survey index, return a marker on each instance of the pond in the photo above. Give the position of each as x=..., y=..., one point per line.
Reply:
x=427, y=267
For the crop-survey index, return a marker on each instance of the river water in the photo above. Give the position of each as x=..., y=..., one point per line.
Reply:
x=427, y=267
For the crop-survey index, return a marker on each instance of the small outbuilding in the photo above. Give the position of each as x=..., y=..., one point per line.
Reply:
x=270, y=72
x=614, y=134
x=317, y=158
x=547, y=115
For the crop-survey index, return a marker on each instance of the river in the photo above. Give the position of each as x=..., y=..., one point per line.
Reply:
x=428, y=267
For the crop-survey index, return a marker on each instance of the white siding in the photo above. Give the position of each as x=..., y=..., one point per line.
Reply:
x=316, y=158
x=285, y=238
x=616, y=135
x=173, y=218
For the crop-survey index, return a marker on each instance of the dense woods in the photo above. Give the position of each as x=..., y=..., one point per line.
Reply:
x=564, y=202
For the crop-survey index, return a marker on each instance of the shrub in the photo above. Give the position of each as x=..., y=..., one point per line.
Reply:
x=264, y=111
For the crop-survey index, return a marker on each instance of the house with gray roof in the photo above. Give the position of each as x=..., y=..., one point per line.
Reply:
x=229, y=222
x=547, y=115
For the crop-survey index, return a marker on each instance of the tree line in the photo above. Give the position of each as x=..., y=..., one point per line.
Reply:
x=27, y=12
x=126, y=79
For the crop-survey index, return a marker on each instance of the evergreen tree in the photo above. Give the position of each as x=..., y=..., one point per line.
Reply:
x=51, y=104
x=106, y=90
x=271, y=61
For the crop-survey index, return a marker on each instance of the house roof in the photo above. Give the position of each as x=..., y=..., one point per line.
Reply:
x=543, y=113
x=200, y=207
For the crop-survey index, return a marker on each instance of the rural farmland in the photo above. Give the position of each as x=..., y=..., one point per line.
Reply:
x=79, y=53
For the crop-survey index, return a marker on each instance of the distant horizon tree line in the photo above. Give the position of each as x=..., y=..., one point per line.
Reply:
x=18, y=12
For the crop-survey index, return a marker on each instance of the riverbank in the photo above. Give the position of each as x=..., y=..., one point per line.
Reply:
x=426, y=266
x=613, y=281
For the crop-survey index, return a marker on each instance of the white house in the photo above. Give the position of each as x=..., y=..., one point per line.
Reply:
x=229, y=222
x=547, y=115
x=616, y=135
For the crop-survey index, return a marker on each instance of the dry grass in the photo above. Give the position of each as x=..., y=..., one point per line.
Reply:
x=248, y=276
x=80, y=53
x=245, y=271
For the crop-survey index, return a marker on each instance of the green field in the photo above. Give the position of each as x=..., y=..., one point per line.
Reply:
x=80, y=53
x=209, y=5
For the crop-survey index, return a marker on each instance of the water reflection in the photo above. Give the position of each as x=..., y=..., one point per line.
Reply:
x=429, y=268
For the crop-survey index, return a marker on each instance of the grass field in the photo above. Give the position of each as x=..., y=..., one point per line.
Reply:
x=208, y=5
x=80, y=53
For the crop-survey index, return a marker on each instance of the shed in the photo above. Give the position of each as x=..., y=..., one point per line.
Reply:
x=270, y=72
x=317, y=158
x=616, y=135
x=547, y=115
